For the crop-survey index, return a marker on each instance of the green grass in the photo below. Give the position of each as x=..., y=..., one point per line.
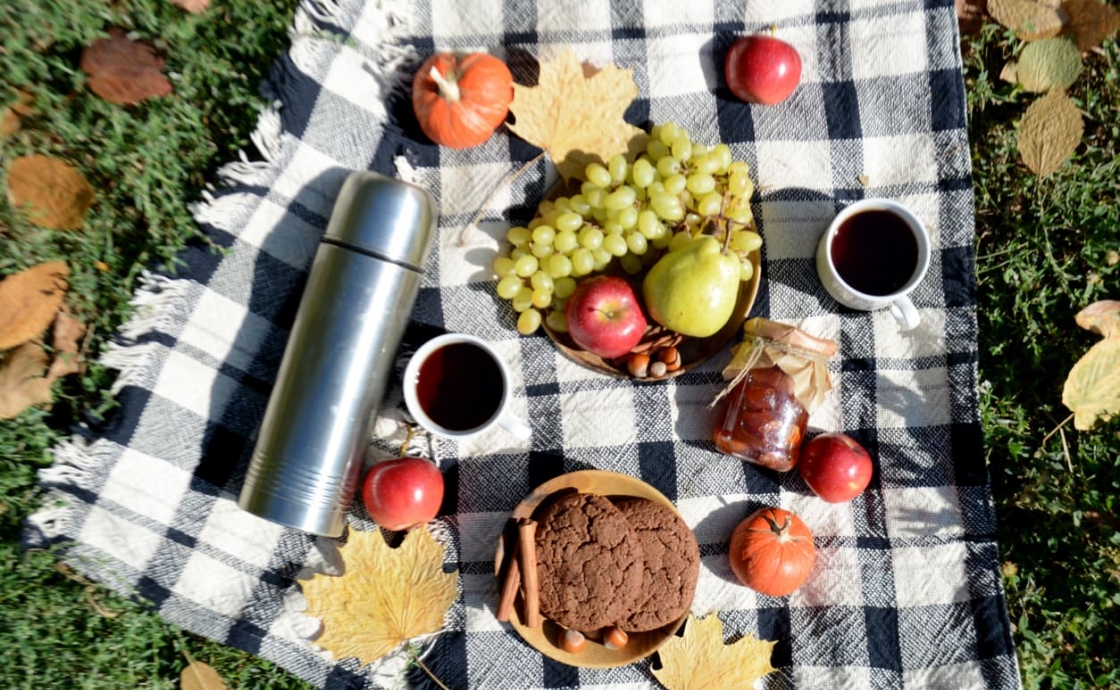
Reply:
x=1046, y=248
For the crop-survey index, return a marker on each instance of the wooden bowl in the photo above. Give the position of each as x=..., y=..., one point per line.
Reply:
x=546, y=638
x=693, y=351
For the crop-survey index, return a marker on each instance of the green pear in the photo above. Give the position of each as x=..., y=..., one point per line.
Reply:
x=693, y=290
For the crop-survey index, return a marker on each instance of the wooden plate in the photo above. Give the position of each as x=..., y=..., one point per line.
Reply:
x=694, y=351
x=546, y=638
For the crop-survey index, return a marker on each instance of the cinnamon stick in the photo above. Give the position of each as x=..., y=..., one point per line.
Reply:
x=527, y=550
x=510, y=584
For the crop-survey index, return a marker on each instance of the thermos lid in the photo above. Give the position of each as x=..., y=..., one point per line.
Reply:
x=384, y=217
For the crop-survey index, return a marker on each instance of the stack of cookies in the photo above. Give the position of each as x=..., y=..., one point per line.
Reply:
x=630, y=564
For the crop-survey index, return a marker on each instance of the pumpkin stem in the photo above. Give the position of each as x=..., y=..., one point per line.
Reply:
x=448, y=88
x=781, y=532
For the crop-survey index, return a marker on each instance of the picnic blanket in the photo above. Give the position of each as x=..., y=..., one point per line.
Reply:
x=906, y=592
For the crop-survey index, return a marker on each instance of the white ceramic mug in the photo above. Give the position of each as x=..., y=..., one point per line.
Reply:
x=501, y=415
x=897, y=300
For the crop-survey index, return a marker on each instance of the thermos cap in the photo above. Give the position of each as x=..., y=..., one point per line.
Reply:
x=387, y=218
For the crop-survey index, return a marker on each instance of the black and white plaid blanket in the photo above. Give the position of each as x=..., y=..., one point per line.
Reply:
x=906, y=592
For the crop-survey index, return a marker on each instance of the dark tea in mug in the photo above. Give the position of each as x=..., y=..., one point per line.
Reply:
x=460, y=386
x=875, y=252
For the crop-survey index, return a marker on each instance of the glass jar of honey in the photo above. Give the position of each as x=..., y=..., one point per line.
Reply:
x=778, y=374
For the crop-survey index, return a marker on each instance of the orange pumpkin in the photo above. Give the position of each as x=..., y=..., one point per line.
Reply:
x=772, y=551
x=460, y=101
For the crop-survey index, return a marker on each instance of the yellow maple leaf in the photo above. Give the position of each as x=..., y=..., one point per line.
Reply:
x=1092, y=389
x=699, y=660
x=577, y=118
x=384, y=597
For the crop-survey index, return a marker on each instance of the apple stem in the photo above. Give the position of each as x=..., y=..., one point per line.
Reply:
x=773, y=29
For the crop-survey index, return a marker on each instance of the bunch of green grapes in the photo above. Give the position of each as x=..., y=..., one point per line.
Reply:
x=629, y=213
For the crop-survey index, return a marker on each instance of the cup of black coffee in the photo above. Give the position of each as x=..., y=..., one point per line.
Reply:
x=873, y=254
x=457, y=386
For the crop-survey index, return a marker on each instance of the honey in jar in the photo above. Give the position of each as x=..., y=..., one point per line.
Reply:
x=778, y=375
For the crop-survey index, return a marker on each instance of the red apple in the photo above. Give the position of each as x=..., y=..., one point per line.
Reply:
x=605, y=317
x=403, y=492
x=836, y=467
x=762, y=69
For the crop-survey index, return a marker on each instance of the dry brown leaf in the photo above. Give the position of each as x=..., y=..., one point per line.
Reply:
x=1052, y=63
x=1050, y=132
x=970, y=15
x=699, y=660
x=1090, y=23
x=9, y=123
x=22, y=383
x=1092, y=389
x=1029, y=19
x=67, y=332
x=124, y=71
x=575, y=117
x=385, y=596
x=200, y=676
x=195, y=6
x=29, y=301
x=54, y=194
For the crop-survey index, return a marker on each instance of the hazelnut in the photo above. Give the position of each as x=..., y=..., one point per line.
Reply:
x=615, y=638
x=638, y=365
x=658, y=369
x=572, y=641
x=671, y=357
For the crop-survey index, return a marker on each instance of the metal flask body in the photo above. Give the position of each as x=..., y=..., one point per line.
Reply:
x=311, y=448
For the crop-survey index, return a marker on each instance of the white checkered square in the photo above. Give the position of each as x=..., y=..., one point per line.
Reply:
x=189, y=383
x=888, y=45
x=598, y=418
x=759, y=16
x=312, y=177
x=827, y=519
x=282, y=234
x=558, y=17
x=131, y=484
x=679, y=64
x=899, y=160
x=911, y=398
x=803, y=164
x=792, y=229
x=926, y=340
x=454, y=21
x=196, y=583
x=836, y=580
x=239, y=533
x=831, y=677
x=693, y=417
x=119, y=537
x=930, y=575
x=928, y=511
x=672, y=13
x=717, y=588
x=480, y=597
x=963, y=676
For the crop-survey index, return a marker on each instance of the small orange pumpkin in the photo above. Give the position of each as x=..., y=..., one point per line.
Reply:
x=460, y=101
x=772, y=551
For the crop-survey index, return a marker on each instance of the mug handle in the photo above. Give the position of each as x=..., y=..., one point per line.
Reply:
x=515, y=425
x=902, y=309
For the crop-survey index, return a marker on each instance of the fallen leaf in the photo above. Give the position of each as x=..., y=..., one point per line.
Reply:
x=65, y=336
x=384, y=598
x=1090, y=23
x=575, y=117
x=1029, y=19
x=195, y=6
x=1010, y=72
x=124, y=71
x=1092, y=389
x=200, y=676
x=22, y=383
x=1102, y=318
x=1051, y=63
x=29, y=301
x=699, y=660
x=1049, y=132
x=54, y=194
x=9, y=123
x=970, y=15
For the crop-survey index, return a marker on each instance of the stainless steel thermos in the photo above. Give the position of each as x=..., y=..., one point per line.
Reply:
x=311, y=448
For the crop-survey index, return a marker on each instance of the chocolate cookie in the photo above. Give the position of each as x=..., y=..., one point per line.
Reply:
x=672, y=565
x=589, y=562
